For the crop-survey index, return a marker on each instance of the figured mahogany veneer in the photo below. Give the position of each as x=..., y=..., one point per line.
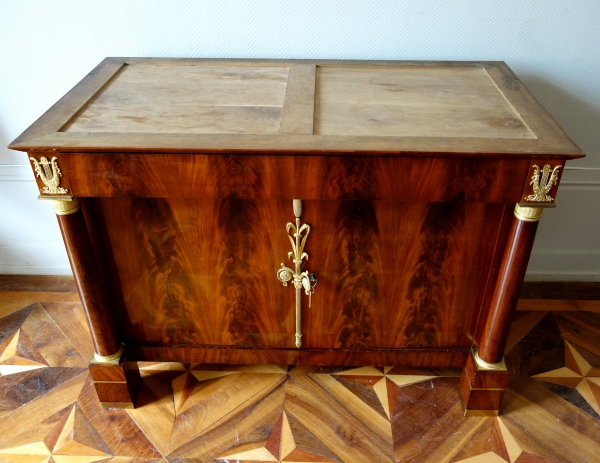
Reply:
x=89, y=283
x=408, y=173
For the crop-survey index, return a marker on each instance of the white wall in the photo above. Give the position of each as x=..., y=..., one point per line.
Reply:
x=46, y=46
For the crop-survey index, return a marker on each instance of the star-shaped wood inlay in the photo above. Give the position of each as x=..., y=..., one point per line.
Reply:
x=189, y=376
x=577, y=373
x=493, y=443
x=383, y=381
x=281, y=446
x=72, y=440
x=18, y=355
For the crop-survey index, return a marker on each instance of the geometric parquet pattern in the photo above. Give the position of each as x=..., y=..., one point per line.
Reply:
x=49, y=411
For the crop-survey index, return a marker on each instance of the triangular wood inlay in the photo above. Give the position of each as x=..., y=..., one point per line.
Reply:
x=273, y=444
x=24, y=458
x=564, y=376
x=488, y=457
x=302, y=456
x=365, y=392
x=308, y=442
x=26, y=350
x=405, y=380
x=362, y=371
x=35, y=448
x=512, y=447
x=288, y=443
x=590, y=392
x=183, y=387
x=249, y=452
x=574, y=361
x=392, y=392
x=78, y=437
x=8, y=349
x=486, y=439
x=52, y=437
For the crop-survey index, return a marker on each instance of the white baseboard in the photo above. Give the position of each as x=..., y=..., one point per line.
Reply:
x=31, y=259
x=566, y=265
x=34, y=270
x=578, y=277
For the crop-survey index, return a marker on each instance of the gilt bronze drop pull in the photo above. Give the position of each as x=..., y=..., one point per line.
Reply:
x=297, y=234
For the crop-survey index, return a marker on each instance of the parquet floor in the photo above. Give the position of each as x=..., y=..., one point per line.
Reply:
x=49, y=412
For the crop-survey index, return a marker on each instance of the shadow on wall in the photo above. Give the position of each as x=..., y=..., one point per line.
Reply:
x=3, y=142
x=578, y=117
x=8, y=156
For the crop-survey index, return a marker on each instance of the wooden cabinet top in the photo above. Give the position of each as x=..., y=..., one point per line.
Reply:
x=300, y=106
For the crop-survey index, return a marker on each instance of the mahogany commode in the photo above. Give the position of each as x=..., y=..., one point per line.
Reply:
x=407, y=195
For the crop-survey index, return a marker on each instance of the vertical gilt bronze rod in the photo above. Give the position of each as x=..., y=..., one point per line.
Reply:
x=297, y=235
x=298, y=267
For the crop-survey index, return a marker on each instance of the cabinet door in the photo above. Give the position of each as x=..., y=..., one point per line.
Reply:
x=198, y=271
x=397, y=274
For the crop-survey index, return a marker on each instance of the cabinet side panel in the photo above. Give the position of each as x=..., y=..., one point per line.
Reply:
x=397, y=274
x=200, y=272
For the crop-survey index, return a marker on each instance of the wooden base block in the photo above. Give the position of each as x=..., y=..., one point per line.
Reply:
x=117, y=385
x=482, y=389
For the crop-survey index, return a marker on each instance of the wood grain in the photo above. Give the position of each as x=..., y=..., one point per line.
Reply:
x=71, y=320
x=16, y=429
x=186, y=99
x=453, y=358
x=20, y=389
x=584, y=430
x=535, y=296
x=370, y=297
x=506, y=291
x=64, y=109
x=50, y=341
x=288, y=177
x=322, y=414
x=201, y=254
x=37, y=283
x=115, y=427
x=17, y=297
x=299, y=103
x=94, y=296
x=404, y=101
x=315, y=410
x=243, y=125
x=256, y=418
x=201, y=270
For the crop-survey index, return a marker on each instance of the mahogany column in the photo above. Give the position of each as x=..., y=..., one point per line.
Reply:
x=485, y=377
x=87, y=276
x=117, y=381
x=510, y=279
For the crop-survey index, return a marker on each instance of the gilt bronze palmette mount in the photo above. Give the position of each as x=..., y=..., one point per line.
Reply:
x=297, y=234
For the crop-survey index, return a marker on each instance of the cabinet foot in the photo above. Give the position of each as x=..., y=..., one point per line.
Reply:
x=117, y=382
x=482, y=386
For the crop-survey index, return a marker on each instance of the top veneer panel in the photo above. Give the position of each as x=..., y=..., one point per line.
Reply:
x=409, y=101
x=187, y=99
x=385, y=108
